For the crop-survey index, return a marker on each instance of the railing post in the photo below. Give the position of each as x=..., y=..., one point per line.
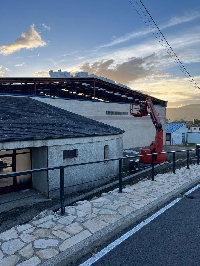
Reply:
x=197, y=152
x=62, y=205
x=120, y=175
x=174, y=162
x=152, y=166
x=188, y=157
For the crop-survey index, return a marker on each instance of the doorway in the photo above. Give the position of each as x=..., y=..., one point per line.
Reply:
x=15, y=161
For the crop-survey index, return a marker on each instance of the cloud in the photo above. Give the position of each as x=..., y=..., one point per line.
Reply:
x=28, y=40
x=174, y=90
x=135, y=68
x=182, y=19
x=41, y=74
x=132, y=35
x=20, y=65
x=46, y=27
x=1, y=73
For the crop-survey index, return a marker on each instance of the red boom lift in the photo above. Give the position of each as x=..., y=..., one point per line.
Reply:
x=157, y=145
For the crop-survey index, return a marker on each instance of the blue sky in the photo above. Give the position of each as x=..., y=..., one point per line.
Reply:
x=107, y=38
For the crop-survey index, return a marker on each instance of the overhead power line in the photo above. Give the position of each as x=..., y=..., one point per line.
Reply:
x=153, y=27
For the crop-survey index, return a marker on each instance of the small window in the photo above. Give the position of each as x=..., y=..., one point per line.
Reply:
x=106, y=152
x=116, y=113
x=70, y=154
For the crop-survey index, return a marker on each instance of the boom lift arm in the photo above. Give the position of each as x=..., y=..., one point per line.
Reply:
x=156, y=146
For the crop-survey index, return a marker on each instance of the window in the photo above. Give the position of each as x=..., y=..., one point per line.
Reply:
x=70, y=154
x=106, y=152
x=116, y=113
x=168, y=137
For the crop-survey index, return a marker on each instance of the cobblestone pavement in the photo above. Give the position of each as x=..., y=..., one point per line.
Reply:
x=52, y=239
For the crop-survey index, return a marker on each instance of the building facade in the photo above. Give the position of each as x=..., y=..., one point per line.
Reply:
x=35, y=135
x=138, y=131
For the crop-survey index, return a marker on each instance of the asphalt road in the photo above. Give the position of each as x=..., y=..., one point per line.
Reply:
x=173, y=238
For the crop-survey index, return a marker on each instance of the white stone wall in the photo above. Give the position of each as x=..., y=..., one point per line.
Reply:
x=78, y=178
x=49, y=153
x=139, y=131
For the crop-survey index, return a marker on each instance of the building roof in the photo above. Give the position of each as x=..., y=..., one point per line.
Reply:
x=22, y=118
x=83, y=88
x=172, y=127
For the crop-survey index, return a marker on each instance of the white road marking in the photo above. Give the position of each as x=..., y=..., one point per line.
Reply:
x=118, y=241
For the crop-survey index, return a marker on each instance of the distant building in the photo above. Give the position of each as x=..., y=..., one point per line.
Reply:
x=193, y=135
x=176, y=133
x=195, y=128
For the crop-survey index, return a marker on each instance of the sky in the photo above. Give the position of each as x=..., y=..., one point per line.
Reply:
x=107, y=38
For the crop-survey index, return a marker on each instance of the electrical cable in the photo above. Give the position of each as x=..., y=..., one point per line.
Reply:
x=150, y=22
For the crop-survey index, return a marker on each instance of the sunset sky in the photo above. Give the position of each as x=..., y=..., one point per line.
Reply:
x=107, y=38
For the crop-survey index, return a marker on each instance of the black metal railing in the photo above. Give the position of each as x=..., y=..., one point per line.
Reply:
x=120, y=178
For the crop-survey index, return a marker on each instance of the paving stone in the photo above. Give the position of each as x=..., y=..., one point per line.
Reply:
x=125, y=210
x=58, y=226
x=1, y=254
x=40, y=233
x=47, y=253
x=81, y=213
x=44, y=243
x=9, y=234
x=90, y=216
x=48, y=224
x=70, y=210
x=42, y=220
x=67, y=220
x=23, y=227
x=11, y=246
x=95, y=210
x=94, y=225
x=85, y=207
x=61, y=234
x=74, y=240
x=29, y=231
x=27, y=251
x=73, y=228
x=107, y=211
x=9, y=261
x=34, y=261
x=27, y=238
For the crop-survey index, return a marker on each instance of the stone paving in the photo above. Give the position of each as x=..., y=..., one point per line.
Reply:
x=49, y=234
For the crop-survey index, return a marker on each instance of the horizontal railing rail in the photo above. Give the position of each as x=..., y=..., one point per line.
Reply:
x=120, y=160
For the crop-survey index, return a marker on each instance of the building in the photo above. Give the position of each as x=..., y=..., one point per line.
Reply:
x=138, y=131
x=94, y=97
x=176, y=133
x=193, y=135
x=35, y=135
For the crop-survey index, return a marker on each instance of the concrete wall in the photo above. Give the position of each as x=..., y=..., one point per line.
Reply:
x=79, y=178
x=139, y=131
x=89, y=149
x=193, y=137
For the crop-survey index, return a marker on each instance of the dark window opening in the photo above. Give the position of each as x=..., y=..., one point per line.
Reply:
x=106, y=152
x=168, y=137
x=70, y=154
x=116, y=113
